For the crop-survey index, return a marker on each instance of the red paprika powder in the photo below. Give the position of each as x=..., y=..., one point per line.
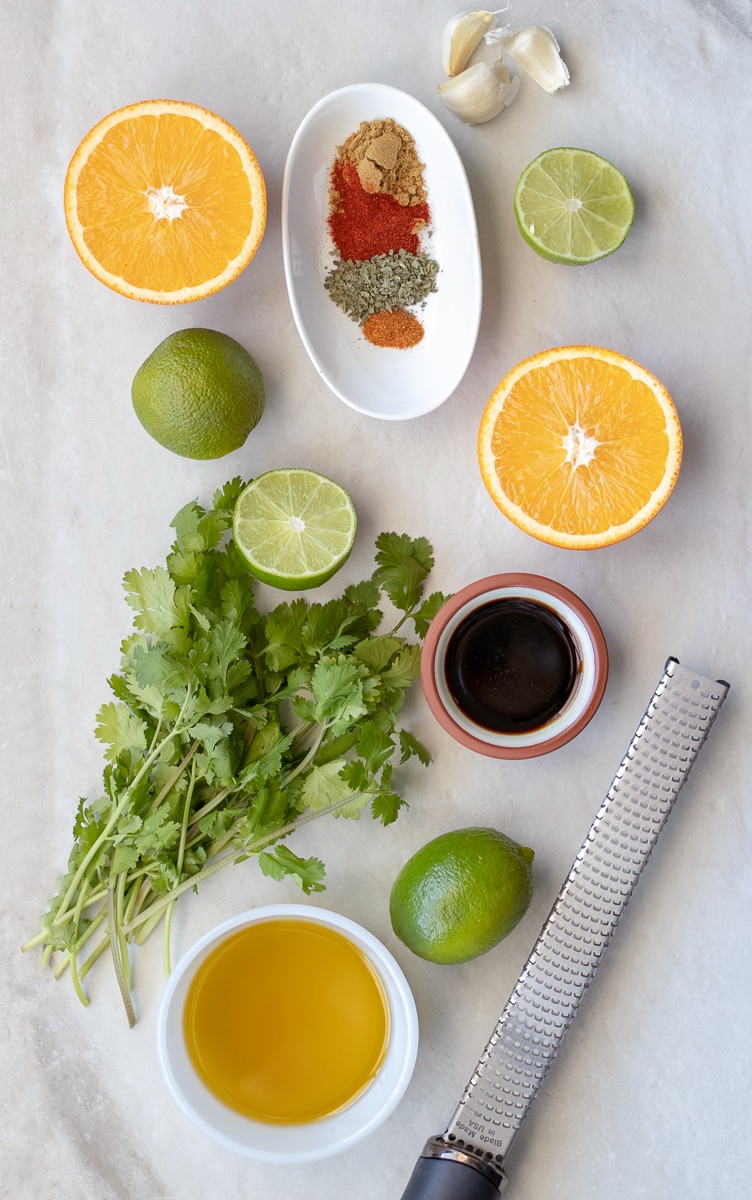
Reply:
x=365, y=224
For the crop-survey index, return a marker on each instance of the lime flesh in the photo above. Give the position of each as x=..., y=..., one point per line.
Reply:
x=572, y=206
x=294, y=527
x=461, y=893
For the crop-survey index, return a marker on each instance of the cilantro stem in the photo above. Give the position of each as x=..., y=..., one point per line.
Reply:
x=165, y=791
x=88, y=933
x=77, y=981
x=119, y=913
x=178, y=866
x=96, y=953
x=37, y=940
x=308, y=757
x=210, y=805
x=92, y=899
x=158, y=907
x=118, y=948
x=150, y=924
x=119, y=809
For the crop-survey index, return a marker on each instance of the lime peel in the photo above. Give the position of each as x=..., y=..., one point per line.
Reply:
x=461, y=894
x=199, y=394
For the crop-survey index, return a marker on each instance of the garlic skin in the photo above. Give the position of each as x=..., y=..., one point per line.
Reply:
x=462, y=33
x=536, y=51
x=480, y=92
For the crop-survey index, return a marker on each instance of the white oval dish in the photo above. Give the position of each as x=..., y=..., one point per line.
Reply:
x=283, y=1142
x=381, y=382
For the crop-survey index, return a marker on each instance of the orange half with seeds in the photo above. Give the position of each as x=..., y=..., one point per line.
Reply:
x=580, y=446
x=165, y=202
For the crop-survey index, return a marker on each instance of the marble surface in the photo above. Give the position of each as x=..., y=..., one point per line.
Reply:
x=650, y=1095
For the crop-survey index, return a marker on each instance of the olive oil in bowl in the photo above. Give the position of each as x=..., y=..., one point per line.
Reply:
x=286, y=1021
x=287, y=1033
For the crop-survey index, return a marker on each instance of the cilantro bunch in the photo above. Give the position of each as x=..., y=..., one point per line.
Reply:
x=228, y=730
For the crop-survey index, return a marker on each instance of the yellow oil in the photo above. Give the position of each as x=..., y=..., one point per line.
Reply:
x=286, y=1021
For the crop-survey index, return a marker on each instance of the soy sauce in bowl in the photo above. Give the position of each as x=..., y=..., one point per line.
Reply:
x=511, y=665
x=514, y=665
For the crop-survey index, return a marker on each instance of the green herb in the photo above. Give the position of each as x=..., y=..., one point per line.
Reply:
x=386, y=281
x=228, y=730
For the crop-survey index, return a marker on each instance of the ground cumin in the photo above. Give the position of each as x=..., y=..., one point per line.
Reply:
x=398, y=329
x=386, y=160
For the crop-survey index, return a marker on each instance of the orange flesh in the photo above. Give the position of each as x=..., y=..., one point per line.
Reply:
x=286, y=1021
x=599, y=404
x=166, y=151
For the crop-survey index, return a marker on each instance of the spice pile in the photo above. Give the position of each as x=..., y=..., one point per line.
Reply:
x=378, y=211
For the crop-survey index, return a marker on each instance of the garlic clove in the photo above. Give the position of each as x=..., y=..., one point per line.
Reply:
x=462, y=33
x=480, y=92
x=536, y=51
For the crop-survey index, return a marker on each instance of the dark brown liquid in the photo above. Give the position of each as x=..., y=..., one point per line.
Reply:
x=511, y=665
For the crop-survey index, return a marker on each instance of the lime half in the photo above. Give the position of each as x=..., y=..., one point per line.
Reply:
x=572, y=206
x=294, y=527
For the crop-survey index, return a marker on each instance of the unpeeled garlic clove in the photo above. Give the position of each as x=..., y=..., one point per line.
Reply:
x=536, y=50
x=462, y=33
x=480, y=92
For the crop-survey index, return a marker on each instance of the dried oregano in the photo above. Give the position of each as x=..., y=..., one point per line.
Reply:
x=386, y=281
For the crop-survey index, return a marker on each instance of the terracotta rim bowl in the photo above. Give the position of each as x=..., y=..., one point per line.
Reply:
x=584, y=699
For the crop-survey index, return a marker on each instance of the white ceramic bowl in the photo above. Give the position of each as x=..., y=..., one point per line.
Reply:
x=386, y=383
x=289, y=1143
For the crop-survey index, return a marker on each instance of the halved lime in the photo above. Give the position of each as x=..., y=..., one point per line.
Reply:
x=572, y=206
x=294, y=527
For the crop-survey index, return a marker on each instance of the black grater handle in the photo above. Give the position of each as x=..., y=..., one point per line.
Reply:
x=444, y=1173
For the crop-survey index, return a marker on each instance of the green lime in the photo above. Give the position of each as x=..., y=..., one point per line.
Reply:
x=573, y=206
x=294, y=527
x=461, y=893
x=199, y=393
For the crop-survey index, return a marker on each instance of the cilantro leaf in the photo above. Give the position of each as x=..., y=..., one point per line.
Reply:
x=405, y=668
x=308, y=873
x=385, y=807
x=424, y=615
x=403, y=565
x=120, y=729
x=338, y=692
x=153, y=595
x=410, y=746
x=376, y=652
x=324, y=785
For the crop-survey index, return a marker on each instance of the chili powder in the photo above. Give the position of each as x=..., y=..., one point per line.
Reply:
x=364, y=224
x=395, y=328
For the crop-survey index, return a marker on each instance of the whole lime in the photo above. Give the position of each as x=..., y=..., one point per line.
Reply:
x=461, y=893
x=199, y=394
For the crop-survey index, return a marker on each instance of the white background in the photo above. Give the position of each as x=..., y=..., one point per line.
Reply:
x=650, y=1095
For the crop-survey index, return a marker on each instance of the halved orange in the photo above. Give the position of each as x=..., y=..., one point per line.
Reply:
x=580, y=446
x=165, y=202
